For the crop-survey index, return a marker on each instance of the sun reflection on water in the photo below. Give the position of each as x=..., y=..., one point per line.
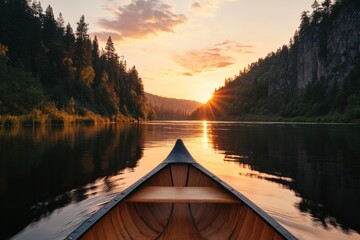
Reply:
x=205, y=138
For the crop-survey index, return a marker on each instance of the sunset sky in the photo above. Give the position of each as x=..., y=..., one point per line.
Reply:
x=186, y=48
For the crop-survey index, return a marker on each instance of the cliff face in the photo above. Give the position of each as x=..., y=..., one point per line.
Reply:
x=329, y=52
x=315, y=78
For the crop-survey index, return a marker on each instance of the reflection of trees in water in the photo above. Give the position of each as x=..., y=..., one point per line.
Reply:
x=38, y=168
x=322, y=161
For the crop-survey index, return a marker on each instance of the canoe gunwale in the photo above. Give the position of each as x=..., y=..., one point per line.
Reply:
x=258, y=211
x=178, y=155
x=86, y=225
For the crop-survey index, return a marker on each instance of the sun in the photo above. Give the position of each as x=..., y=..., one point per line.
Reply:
x=204, y=97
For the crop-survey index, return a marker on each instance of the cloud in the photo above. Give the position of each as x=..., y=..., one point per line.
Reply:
x=187, y=74
x=141, y=18
x=221, y=55
x=233, y=46
x=203, y=5
x=196, y=6
x=104, y=35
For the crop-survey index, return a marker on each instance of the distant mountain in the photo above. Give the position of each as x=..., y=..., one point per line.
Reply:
x=316, y=77
x=166, y=108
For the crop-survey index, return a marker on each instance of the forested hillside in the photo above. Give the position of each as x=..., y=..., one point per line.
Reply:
x=164, y=108
x=316, y=77
x=47, y=68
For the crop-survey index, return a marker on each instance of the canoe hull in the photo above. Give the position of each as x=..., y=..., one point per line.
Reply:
x=138, y=213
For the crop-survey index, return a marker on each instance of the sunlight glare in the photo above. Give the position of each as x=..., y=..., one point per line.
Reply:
x=205, y=97
x=205, y=138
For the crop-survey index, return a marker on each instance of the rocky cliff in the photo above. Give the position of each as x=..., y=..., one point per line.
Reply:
x=314, y=78
x=329, y=51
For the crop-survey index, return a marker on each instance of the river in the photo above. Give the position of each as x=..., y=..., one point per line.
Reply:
x=306, y=176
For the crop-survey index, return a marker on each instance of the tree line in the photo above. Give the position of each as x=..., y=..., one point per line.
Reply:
x=46, y=64
x=267, y=89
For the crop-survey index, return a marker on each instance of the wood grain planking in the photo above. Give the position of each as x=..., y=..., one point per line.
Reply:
x=118, y=225
x=110, y=227
x=258, y=228
x=216, y=222
x=247, y=226
x=181, y=195
x=181, y=225
x=135, y=228
x=197, y=178
x=165, y=205
x=88, y=236
x=277, y=237
x=267, y=233
x=156, y=215
x=161, y=178
x=229, y=223
x=179, y=174
x=144, y=227
x=243, y=213
x=208, y=214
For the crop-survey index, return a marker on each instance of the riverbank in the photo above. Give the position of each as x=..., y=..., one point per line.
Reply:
x=58, y=117
x=329, y=118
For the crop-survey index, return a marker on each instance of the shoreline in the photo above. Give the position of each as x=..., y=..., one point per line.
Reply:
x=29, y=120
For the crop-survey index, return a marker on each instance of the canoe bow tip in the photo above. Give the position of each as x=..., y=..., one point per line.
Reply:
x=179, y=142
x=179, y=154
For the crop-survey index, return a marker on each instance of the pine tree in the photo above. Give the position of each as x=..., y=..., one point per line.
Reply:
x=60, y=24
x=110, y=51
x=81, y=30
x=96, y=61
x=316, y=15
x=305, y=22
x=95, y=49
x=326, y=5
x=37, y=9
x=315, y=5
x=69, y=41
x=82, y=57
x=49, y=27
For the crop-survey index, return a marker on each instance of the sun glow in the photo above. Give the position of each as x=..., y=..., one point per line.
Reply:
x=205, y=138
x=204, y=97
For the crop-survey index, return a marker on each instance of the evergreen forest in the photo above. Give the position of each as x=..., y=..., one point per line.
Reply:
x=316, y=77
x=51, y=72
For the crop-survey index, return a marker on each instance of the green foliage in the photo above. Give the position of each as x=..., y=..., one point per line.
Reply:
x=42, y=62
x=266, y=89
x=169, y=108
x=19, y=91
x=353, y=108
x=295, y=107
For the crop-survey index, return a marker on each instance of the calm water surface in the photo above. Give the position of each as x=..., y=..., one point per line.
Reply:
x=307, y=177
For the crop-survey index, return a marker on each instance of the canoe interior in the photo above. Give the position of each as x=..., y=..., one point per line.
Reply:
x=133, y=218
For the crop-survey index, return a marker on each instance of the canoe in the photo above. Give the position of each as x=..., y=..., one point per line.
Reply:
x=180, y=199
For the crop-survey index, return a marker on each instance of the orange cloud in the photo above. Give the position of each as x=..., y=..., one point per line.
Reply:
x=187, y=74
x=103, y=36
x=142, y=18
x=220, y=55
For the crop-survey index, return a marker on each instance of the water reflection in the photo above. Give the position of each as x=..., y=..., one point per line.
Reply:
x=75, y=169
x=39, y=167
x=320, y=163
x=205, y=138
